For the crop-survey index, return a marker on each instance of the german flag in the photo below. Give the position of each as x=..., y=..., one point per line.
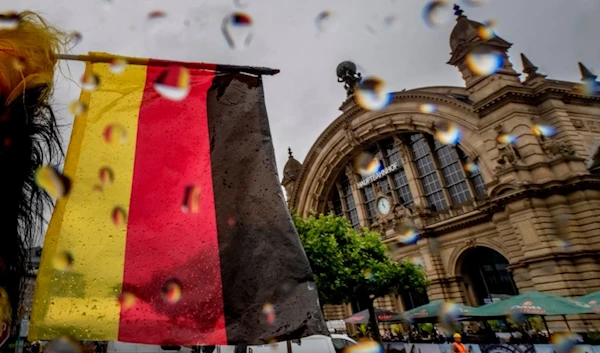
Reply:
x=175, y=230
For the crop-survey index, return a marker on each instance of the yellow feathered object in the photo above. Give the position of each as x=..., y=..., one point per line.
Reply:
x=29, y=138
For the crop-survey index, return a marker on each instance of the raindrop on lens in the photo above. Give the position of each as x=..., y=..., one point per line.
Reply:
x=127, y=299
x=565, y=342
x=240, y=3
x=269, y=313
x=97, y=189
x=324, y=21
x=191, y=199
x=407, y=232
x=114, y=134
x=119, y=216
x=77, y=108
x=106, y=176
x=437, y=13
x=448, y=133
x=507, y=139
x=89, y=82
x=371, y=94
x=63, y=260
x=118, y=66
x=52, y=181
x=471, y=167
x=484, y=63
x=368, y=274
x=173, y=83
x=9, y=21
x=171, y=291
x=428, y=108
x=365, y=347
x=156, y=14
x=474, y=2
x=366, y=164
x=543, y=130
x=417, y=261
x=63, y=344
x=485, y=31
x=237, y=28
x=231, y=221
x=75, y=37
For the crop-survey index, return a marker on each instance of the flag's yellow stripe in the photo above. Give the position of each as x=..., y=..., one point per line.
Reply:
x=82, y=299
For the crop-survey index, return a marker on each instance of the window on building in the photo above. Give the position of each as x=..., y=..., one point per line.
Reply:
x=452, y=170
x=427, y=172
x=401, y=188
x=474, y=173
x=414, y=298
x=352, y=213
x=338, y=210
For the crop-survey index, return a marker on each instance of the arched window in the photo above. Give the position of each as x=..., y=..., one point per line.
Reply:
x=401, y=188
x=427, y=172
x=351, y=212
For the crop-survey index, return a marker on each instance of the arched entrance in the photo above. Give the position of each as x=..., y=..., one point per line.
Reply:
x=485, y=276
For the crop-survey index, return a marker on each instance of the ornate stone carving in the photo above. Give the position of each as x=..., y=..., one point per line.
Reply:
x=507, y=152
x=346, y=72
x=410, y=123
x=350, y=174
x=578, y=124
x=351, y=136
x=556, y=148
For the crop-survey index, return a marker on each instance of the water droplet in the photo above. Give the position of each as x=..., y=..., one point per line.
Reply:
x=115, y=134
x=269, y=313
x=417, y=261
x=231, y=221
x=507, y=139
x=118, y=66
x=407, y=232
x=63, y=260
x=127, y=299
x=173, y=83
x=89, y=82
x=172, y=291
x=367, y=164
x=75, y=37
x=589, y=87
x=119, y=216
x=9, y=20
x=191, y=199
x=240, y=3
x=77, y=108
x=486, y=31
x=368, y=274
x=324, y=21
x=52, y=181
x=365, y=347
x=428, y=108
x=484, y=63
x=63, y=344
x=156, y=14
x=471, y=168
x=371, y=94
x=449, y=314
x=106, y=176
x=97, y=189
x=474, y=2
x=19, y=63
x=448, y=133
x=286, y=288
x=543, y=130
x=566, y=342
x=237, y=28
x=437, y=13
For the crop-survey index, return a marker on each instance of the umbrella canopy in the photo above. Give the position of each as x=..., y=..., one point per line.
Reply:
x=592, y=299
x=533, y=303
x=435, y=309
x=362, y=317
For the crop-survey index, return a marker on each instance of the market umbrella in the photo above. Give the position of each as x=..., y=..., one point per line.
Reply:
x=362, y=317
x=533, y=303
x=592, y=299
x=435, y=309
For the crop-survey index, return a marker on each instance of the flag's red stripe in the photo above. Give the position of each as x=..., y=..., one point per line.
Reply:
x=163, y=242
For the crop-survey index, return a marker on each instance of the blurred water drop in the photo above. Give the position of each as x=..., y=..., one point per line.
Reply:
x=507, y=139
x=52, y=181
x=417, y=261
x=543, y=130
x=63, y=260
x=156, y=14
x=77, y=108
x=75, y=37
x=486, y=31
x=231, y=221
x=484, y=63
x=240, y=3
x=566, y=342
x=588, y=88
x=367, y=164
x=238, y=30
x=428, y=108
x=63, y=344
x=471, y=168
x=127, y=299
x=97, y=189
x=119, y=216
x=448, y=133
x=364, y=347
x=173, y=83
x=448, y=315
x=324, y=21
x=269, y=313
x=106, y=176
x=9, y=20
x=172, y=291
x=118, y=66
x=474, y=2
x=368, y=274
x=89, y=82
x=114, y=134
x=371, y=94
x=18, y=63
x=191, y=199
x=437, y=13
x=407, y=232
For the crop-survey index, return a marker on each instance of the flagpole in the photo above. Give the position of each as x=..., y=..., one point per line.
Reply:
x=190, y=65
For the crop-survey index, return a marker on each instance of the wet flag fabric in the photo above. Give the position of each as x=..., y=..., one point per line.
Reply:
x=175, y=230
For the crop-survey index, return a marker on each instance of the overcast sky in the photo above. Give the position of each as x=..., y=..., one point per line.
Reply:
x=305, y=97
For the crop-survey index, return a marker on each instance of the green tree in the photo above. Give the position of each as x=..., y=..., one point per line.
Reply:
x=351, y=266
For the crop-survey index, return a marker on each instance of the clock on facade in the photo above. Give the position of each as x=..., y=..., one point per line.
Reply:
x=383, y=205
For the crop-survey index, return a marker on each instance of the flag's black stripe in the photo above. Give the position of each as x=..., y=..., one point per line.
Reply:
x=262, y=260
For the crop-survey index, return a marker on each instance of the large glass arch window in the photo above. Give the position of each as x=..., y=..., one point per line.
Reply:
x=351, y=211
x=427, y=171
x=401, y=187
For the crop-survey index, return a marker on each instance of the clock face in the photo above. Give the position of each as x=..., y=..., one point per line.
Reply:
x=383, y=205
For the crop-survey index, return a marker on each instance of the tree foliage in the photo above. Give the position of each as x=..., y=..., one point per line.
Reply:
x=352, y=266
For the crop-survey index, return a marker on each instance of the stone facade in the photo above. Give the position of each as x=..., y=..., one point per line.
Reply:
x=541, y=208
